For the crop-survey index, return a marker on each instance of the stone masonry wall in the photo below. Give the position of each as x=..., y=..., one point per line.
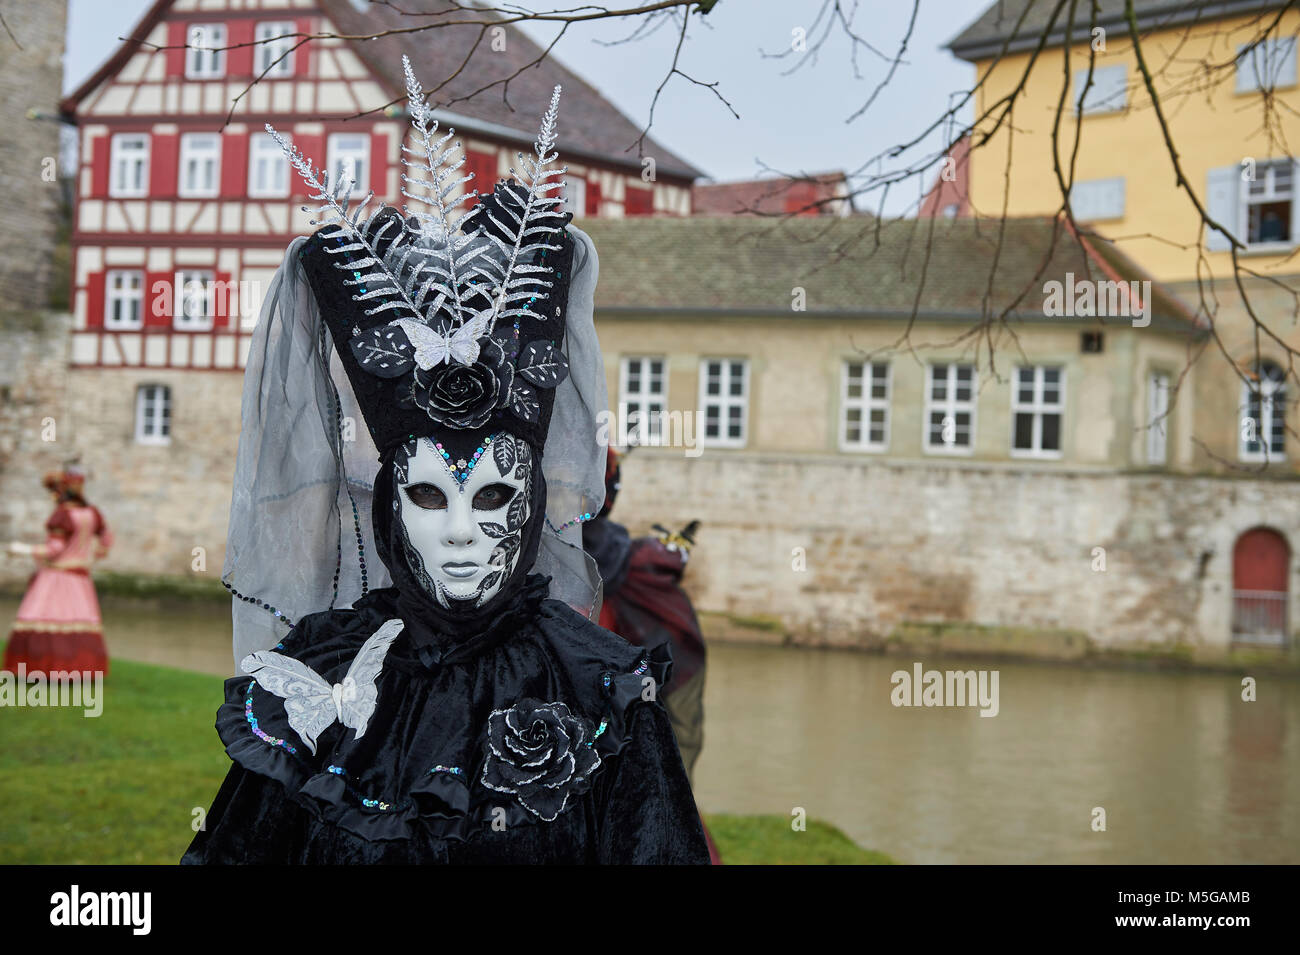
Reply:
x=880, y=542
x=30, y=77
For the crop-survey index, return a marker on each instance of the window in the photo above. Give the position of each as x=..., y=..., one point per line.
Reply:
x=349, y=156
x=125, y=294
x=1037, y=403
x=1263, y=414
x=1157, y=417
x=1092, y=343
x=1097, y=199
x=575, y=197
x=1109, y=90
x=268, y=168
x=194, y=312
x=864, y=421
x=724, y=393
x=642, y=397
x=153, y=414
x=203, y=59
x=200, y=173
x=1269, y=65
x=273, y=52
x=950, y=409
x=1267, y=201
x=130, y=165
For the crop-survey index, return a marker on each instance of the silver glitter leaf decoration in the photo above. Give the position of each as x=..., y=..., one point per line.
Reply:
x=543, y=365
x=384, y=351
x=523, y=402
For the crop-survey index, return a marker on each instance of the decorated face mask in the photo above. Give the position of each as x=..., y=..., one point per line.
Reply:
x=463, y=522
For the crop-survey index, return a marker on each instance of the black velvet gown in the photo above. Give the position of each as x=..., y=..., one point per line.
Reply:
x=529, y=740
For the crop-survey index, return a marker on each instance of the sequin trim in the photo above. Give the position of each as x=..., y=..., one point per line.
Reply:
x=453, y=770
x=461, y=470
x=260, y=733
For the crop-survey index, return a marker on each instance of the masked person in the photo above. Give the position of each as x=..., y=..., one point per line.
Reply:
x=645, y=604
x=58, y=627
x=466, y=710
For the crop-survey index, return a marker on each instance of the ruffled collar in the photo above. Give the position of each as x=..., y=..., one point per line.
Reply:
x=440, y=636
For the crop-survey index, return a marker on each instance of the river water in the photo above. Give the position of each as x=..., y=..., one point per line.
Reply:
x=1185, y=771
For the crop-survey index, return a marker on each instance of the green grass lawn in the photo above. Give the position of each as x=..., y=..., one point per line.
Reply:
x=122, y=788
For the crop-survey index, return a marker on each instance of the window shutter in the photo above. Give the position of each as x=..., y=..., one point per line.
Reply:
x=1223, y=202
x=1295, y=202
x=1284, y=75
x=234, y=166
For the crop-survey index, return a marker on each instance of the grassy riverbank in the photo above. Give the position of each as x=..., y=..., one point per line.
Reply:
x=123, y=787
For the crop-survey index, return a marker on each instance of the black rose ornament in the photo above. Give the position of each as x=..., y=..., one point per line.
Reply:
x=539, y=753
x=463, y=396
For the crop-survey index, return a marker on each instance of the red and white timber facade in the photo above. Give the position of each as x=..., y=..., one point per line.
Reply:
x=185, y=205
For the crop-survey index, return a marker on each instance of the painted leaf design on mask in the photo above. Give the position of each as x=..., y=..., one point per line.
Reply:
x=542, y=364
x=503, y=452
x=517, y=512
x=384, y=351
x=489, y=582
x=494, y=530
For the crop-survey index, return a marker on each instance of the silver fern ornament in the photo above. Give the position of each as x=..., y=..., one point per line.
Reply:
x=431, y=262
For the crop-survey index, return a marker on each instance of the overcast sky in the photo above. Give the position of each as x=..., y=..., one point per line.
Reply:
x=794, y=123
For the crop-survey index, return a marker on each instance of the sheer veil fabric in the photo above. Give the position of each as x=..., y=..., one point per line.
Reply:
x=301, y=539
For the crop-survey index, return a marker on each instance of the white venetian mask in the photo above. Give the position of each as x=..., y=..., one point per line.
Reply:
x=464, y=525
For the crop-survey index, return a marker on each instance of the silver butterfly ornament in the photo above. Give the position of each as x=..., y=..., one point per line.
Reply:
x=311, y=702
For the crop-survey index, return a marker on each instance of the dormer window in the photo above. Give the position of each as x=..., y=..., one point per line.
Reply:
x=204, y=58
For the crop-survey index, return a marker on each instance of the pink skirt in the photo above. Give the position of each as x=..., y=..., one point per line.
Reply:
x=58, y=625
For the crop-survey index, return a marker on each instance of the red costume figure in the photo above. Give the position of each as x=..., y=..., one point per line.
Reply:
x=645, y=604
x=58, y=626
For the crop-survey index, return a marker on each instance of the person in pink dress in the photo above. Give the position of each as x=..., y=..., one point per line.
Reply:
x=58, y=626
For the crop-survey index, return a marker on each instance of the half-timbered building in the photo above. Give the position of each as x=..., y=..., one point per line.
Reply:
x=185, y=204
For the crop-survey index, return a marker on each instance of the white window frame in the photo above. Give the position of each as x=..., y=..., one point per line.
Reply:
x=123, y=154
x=1109, y=91
x=266, y=50
x=185, y=321
x=649, y=427
x=1158, y=417
x=1096, y=200
x=950, y=405
x=1038, y=408
x=724, y=401
x=158, y=399
x=1270, y=389
x=1266, y=178
x=870, y=373
x=199, y=150
x=263, y=151
x=575, y=196
x=202, y=61
x=1275, y=52
x=131, y=297
x=338, y=154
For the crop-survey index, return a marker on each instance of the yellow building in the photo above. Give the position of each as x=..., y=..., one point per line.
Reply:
x=1226, y=81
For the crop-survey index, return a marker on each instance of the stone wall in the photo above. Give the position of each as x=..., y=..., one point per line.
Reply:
x=29, y=203
x=831, y=549
x=886, y=543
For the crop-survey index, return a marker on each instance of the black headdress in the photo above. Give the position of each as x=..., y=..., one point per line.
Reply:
x=432, y=323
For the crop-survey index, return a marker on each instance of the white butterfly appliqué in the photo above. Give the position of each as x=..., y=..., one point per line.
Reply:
x=432, y=347
x=310, y=702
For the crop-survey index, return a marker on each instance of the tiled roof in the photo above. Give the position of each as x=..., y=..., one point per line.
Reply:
x=752, y=265
x=590, y=126
x=985, y=37
x=772, y=195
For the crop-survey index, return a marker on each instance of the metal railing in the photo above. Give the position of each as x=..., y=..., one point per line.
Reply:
x=1259, y=616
